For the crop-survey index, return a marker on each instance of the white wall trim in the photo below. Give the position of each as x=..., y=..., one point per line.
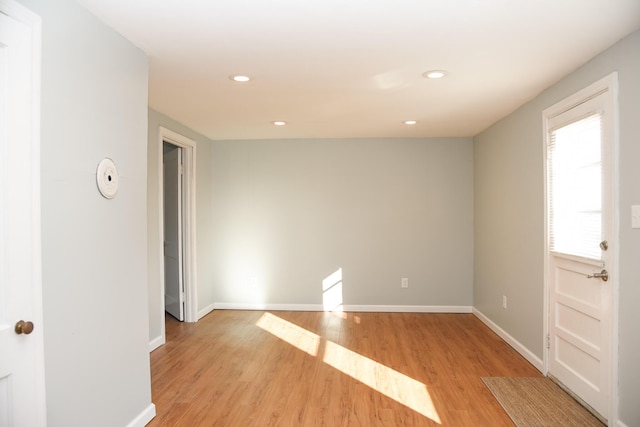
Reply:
x=272, y=307
x=208, y=309
x=144, y=417
x=157, y=342
x=189, y=236
x=350, y=308
x=20, y=13
x=620, y=424
x=614, y=403
x=520, y=348
x=410, y=308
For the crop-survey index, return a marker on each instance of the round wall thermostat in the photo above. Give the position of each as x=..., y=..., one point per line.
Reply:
x=107, y=178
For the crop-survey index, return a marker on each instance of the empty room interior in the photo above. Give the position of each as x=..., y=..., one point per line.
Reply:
x=287, y=194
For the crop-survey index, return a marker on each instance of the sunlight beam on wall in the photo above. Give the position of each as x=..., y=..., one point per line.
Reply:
x=332, y=291
x=332, y=298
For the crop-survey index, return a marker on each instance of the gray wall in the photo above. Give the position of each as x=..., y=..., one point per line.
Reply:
x=94, y=97
x=509, y=215
x=204, y=239
x=275, y=217
x=288, y=213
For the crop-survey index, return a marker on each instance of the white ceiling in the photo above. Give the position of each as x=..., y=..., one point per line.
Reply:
x=353, y=68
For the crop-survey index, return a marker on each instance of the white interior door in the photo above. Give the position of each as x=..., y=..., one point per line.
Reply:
x=173, y=248
x=582, y=244
x=22, y=401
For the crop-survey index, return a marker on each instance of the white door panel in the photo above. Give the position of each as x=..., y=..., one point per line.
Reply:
x=579, y=331
x=22, y=400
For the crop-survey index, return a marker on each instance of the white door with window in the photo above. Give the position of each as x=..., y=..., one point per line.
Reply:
x=22, y=400
x=581, y=242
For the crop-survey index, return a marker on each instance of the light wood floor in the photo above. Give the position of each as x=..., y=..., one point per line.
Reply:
x=256, y=368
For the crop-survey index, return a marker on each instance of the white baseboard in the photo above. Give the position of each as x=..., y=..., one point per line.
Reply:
x=524, y=351
x=208, y=309
x=271, y=307
x=409, y=308
x=144, y=417
x=156, y=342
x=352, y=308
x=620, y=424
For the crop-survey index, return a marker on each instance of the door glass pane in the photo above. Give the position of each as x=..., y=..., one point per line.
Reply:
x=575, y=188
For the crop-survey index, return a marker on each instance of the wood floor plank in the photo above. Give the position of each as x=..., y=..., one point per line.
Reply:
x=256, y=368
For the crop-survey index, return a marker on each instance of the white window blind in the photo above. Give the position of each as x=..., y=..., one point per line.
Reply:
x=575, y=188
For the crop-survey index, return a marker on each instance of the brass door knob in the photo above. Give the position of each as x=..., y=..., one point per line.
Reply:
x=23, y=327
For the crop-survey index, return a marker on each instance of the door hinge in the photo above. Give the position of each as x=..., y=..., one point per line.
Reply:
x=181, y=169
x=548, y=341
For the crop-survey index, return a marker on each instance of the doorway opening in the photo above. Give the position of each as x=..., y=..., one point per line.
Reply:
x=177, y=226
x=173, y=210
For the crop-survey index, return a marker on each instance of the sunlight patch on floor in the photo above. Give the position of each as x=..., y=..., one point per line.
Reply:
x=346, y=316
x=341, y=314
x=389, y=382
x=295, y=335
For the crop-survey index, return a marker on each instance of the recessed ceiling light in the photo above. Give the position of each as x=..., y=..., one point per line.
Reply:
x=435, y=74
x=410, y=122
x=279, y=123
x=240, y=78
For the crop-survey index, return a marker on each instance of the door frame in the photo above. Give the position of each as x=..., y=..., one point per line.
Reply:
x=608, y=84
x=20, y=13
x=188, y=221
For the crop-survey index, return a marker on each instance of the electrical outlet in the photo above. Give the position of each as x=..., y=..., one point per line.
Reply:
x=504, y=302
x=404, y=283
